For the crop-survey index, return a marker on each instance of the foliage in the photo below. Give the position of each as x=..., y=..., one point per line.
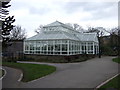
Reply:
x=107, y=50
x=116, y=60
x=6, y=25
x=3, y=10
x=32, y=71
x=6, y=28
x=109, y=45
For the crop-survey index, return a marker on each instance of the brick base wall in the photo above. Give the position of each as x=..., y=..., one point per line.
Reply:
x=57, y=58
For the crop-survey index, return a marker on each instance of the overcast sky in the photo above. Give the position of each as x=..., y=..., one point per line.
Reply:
x=32, y=13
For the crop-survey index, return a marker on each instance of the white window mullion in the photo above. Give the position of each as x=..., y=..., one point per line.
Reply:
x=93, y=48
x=40, y=47
x=67, y=47
x=86, y=47
x=61, y=47
x=29, y=46
x=80, y=48
x=54, y=47
x=47, y=46
x=24, y=46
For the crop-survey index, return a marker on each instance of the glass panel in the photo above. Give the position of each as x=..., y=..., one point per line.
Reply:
x=38, y=46
x=31, y=46
x=64, y=47
x=57, y=47
x=26, y=46
x=64, y=41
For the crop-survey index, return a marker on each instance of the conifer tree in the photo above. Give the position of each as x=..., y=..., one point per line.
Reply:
x=6, y=24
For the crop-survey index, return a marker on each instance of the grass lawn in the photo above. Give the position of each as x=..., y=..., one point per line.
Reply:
x=116, y=60
x=31, y=71
x=1, y=73
x=114, y=83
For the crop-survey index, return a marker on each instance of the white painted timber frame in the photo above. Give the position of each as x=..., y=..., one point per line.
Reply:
x=60, y=39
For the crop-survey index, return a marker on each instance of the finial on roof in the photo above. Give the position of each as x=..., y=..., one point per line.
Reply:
x=56, y=21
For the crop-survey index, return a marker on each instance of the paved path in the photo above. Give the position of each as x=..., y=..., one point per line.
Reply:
x=10, y=80
x=86, y=74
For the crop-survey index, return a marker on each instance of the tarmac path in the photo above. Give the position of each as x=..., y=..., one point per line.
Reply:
x=86, y=74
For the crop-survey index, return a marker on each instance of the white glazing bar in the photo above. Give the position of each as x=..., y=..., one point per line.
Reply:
x=86, y=47
x=24, y=43
x=80, y=48
x=96, y=48
x=28, y=47
x=53, y=47
x=67, y=47
x=93, y=48
x=40, y=47
x=35, y=47
x=61, y=47
x=73, y=47
x=47, y=46
x=77, y=48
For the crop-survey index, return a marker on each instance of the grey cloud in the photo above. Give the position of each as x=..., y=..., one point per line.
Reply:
x=107, y=10
x=39, y=11
x=98, y=10
x=71, y=7
x=18, y=4
x=96, y=6
x=33, y=10
x=87, y=6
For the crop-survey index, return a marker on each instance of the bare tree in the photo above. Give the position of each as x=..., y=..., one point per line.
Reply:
x=99, y=30
x=112, y=31
x=39, y=29
x=76, y=27
x=18, y=33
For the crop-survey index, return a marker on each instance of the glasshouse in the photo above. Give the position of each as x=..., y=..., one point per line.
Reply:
x=60, y=39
